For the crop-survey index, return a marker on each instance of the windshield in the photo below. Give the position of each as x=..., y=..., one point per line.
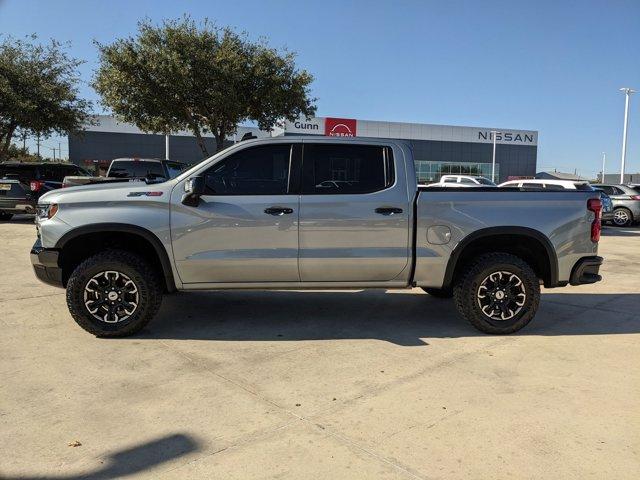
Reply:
x=136, y=169
x=176, y=168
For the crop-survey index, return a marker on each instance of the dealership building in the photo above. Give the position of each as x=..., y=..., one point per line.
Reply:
x=437, y=149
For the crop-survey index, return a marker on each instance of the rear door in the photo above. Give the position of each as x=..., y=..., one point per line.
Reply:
x=245, y=229
x=354, y=213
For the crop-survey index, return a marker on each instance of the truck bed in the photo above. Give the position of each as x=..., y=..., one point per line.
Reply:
x=447, y=219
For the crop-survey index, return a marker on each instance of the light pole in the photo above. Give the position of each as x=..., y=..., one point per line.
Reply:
x=166, y=147
x=604, y=159
x=493, y=161
x=627, y=94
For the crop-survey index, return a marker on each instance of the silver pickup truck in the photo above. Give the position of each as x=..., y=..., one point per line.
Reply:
x=301, y=213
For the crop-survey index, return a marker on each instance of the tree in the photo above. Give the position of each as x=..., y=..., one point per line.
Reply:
x=38, y=91
x=198, y=77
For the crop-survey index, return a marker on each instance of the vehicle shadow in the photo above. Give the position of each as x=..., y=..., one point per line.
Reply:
x=621, y=231
x=20, y=219
x=402, y=317
x=130, y=461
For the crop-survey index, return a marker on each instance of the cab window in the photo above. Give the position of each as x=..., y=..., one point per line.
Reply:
x=262, y=170
x=346, y=169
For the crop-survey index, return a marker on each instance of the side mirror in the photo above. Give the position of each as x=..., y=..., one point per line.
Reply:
x=193, y=189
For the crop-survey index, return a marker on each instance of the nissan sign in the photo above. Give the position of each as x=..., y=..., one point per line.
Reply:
x=340, y=127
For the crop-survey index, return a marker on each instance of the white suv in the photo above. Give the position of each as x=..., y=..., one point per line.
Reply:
x=548, y=184
x=463, y=181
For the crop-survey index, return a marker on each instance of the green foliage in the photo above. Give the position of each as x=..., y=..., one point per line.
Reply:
x=21, y=154
x=38, y=90
x=183, y=75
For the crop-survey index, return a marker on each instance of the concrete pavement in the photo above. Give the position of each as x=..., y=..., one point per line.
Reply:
x=352, y=384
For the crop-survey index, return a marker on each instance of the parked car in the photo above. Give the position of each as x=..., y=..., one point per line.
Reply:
x=264, y=214
x=539, y=184
x=626, y=202
x=607, y=206
x=126, y=169
x=462, y=181
x=22, y=183
x=15, y=197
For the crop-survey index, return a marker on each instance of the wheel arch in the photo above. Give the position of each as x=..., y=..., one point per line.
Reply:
x=80, y=242
x=531, y=245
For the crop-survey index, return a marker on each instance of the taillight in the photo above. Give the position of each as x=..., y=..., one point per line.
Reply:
x=595, y=205
x=36, y=185
x=635, y=197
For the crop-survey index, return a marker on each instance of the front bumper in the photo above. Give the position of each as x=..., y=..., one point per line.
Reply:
x=586, y=271
x=17, y=205
x=45, y=265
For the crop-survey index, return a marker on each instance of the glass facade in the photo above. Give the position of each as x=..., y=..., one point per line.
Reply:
x=435, y=158
x=430, y=172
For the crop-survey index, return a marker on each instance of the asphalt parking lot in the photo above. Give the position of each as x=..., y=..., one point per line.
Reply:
x=349, y=384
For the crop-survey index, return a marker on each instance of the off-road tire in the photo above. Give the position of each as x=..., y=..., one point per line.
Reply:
x=467, y=287
x=6, y=216
x=133, y=266
x=624, y=211
x=439, y=292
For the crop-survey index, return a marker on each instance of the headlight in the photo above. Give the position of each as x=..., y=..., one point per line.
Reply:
x=45, y=212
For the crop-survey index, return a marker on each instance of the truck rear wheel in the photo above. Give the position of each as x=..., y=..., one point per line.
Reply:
x=499, y=293
x=113, y=294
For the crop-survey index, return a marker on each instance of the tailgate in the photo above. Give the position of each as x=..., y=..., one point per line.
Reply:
x=12, y=189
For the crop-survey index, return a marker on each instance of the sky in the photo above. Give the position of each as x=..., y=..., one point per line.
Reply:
x=551, y=66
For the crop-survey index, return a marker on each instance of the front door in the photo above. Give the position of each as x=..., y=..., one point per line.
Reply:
x=354, y=214
x=245, y=228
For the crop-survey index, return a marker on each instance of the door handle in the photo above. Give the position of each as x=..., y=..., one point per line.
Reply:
x=278, y=211
x=388, y=210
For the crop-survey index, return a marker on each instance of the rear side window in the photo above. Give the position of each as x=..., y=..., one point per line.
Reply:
x=73, y=170
x=532, y=186
x=450, y=180
x=606, y=189
x=467, y=180
x=346, y=169
x=553, y=186
x=53, y=173
x=24, y=173
x=136, y=169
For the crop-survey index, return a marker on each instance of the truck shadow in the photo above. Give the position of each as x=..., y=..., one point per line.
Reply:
x=401, y=317
x=131, y=461
x=21, y=219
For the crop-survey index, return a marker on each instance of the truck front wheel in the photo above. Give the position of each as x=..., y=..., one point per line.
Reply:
x=114, y=293
x=499, y=293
